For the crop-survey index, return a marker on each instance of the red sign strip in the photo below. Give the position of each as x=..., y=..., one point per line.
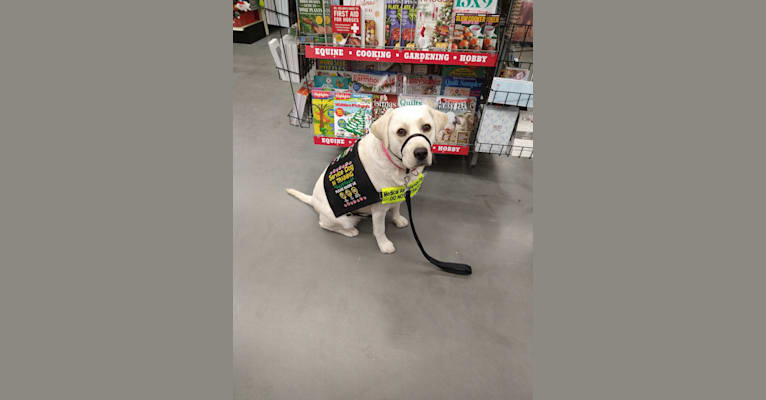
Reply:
x=460, y=150
x=402, y=56
x=334, y=141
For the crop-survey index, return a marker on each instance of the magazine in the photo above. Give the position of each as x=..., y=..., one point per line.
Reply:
x=382, y=102
x=467, y=33
x=425, y=84
x=407, y=18
x=322, y=110
x=515, y=73
x=434, y=18
x=512, y=92
x=475, y=6
x=416, y=100
x=460, y=111
x=393, y=24
x=495, y=130
x=520, y=28
x=347, y=25
x=331, y=65
x=462, y=72
x=490, y=35
x=462, y=87
x=371, y=82
x=374, y=14
x=353, y=114
x=329, y=82
x=311, y=19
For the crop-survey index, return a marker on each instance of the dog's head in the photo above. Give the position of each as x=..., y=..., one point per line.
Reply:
x=397, y=127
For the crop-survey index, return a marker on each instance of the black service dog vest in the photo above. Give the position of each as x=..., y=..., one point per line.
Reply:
x=347, y=185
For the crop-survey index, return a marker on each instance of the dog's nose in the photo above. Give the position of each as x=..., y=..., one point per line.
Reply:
x=420, y=153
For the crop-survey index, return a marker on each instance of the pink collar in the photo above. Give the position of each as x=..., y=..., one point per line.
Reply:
x=385, y=151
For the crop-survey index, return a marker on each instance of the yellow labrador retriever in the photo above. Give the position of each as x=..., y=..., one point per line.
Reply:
x=397, y=145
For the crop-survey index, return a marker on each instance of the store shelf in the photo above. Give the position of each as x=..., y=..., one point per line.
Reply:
x=243, y=27
x=507, y=150
x=510, y=98
x=471, y=59
x=451, y=149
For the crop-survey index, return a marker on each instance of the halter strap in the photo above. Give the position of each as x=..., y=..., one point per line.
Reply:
x=414, y=136
x=385, y=151
x=388, y=155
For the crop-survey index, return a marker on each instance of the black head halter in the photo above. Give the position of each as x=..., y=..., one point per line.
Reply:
x=401, y=150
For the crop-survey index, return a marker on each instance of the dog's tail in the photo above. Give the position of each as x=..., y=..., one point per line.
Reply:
x=300, y=196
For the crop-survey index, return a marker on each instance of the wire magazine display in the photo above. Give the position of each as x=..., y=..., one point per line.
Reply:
x=357, y=58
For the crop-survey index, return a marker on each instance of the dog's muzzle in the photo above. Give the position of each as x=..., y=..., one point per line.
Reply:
x=420, y=153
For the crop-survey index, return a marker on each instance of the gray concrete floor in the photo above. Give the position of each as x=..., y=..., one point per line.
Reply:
x=321, y=316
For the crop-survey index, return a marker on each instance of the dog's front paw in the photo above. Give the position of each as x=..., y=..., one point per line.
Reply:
x=386, y=247
x=400, y=222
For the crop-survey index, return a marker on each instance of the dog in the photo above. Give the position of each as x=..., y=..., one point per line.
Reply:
x=387, y=162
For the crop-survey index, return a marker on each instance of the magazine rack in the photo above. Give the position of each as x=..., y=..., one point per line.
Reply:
x=516, y=51
x=513, y=49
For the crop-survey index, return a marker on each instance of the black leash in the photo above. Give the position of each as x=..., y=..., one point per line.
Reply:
x=453, y=268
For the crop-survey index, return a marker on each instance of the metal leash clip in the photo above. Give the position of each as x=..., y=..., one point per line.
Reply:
x=407, y=182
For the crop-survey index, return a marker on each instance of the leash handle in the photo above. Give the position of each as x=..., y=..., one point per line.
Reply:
x=453, y=268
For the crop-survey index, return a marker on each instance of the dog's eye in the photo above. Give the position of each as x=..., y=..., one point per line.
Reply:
x=401, y=132
x=426, y=128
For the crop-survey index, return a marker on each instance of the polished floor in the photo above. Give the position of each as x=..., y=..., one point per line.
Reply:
x=322, y=316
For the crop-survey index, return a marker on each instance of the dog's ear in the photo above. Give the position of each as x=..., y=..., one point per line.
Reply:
x=439, y=117
x=379, y=128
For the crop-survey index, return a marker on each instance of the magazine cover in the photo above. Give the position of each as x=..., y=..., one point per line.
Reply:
x=424, y=84
x=323, y=112
x=511, y=72
x=416, y=100
x=490, y=36
x=458, y=71
x=407, y=19
x=382, y=102
x=467, y=33
x=520, y=28
x=475, y=6
x=495, y=130
x=311, y=18
x=347, y=25
x=332, y=65
x=353, y=114
x=434, y=18
x=460, y=111
x=462, y=87
x=512, y=92
x=371, y=82
x=393, y=27
x=329, y=82
x=373, y=12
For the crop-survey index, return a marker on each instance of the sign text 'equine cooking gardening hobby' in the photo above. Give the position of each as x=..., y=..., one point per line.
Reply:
x=402, y=56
